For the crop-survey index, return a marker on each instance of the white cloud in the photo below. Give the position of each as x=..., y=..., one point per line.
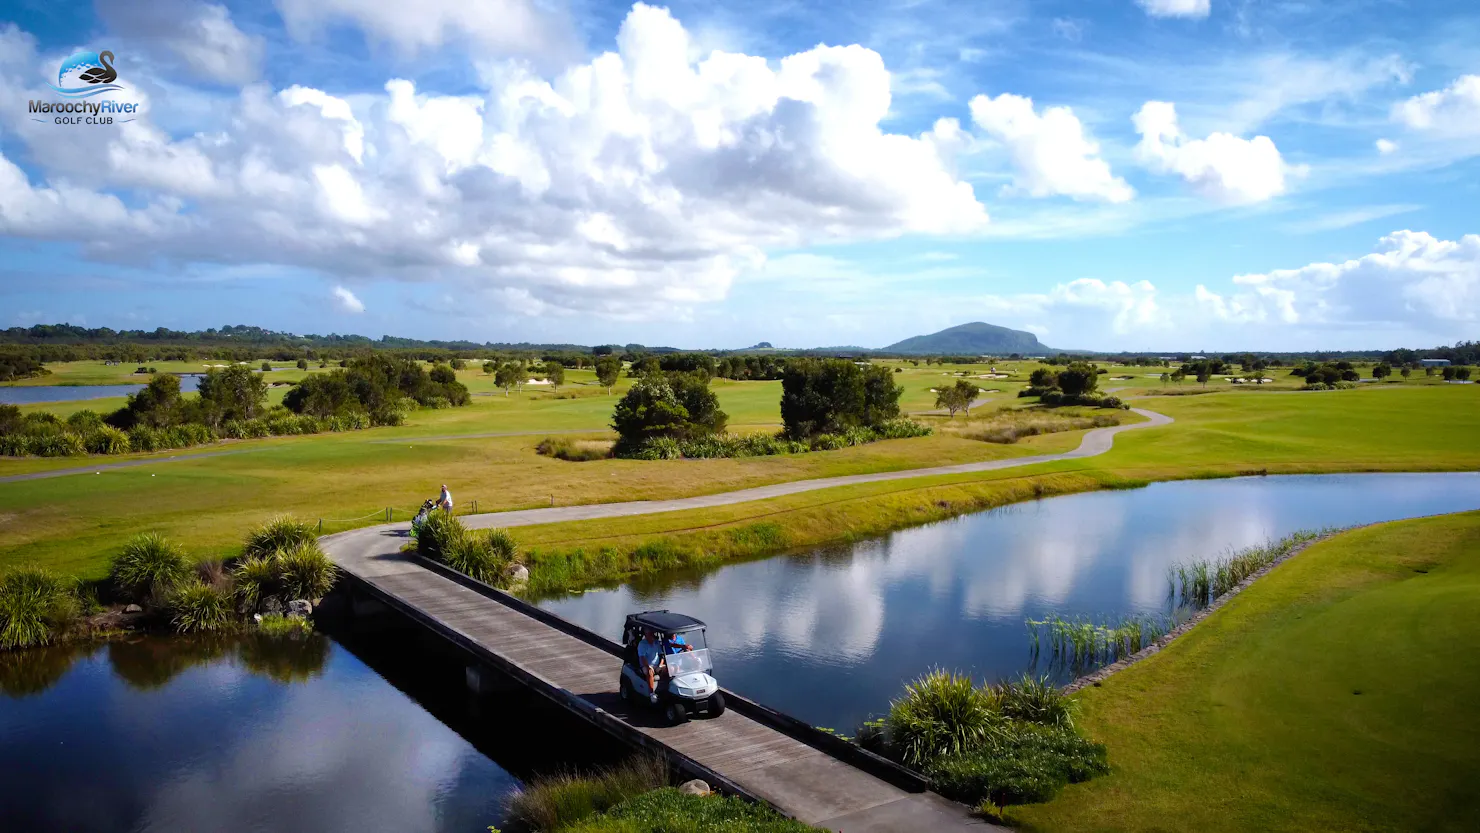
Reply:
x=1386, y=146
x=1223, y=167
x=1412, y=278
x=1051, y=153
x=1452, y=111
x=506, y=27
x=347, y=302
x=1068, y=28
x=1086, y=305
x=1176, y=8
x=634, y=185
x=201, y=36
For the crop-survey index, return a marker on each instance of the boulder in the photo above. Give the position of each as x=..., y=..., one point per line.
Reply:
x=133, y=609
x=272, y=605
x=300, y=607
x=257, y=617
x=694, y=787
x=516, y=574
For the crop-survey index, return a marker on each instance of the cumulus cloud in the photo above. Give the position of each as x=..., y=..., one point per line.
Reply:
x=1452, y=111
x=1386, y=146
x=1051, y=152
x=346, y=301
x=1222, y=167
x=1412, y=277
x=1085, y=305
x=199, y=36
x=501, y=27
x=634, y=185
x=1176, y=8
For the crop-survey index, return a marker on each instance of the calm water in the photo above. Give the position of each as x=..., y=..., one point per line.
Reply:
x=358, y=733
x=32, y=394
x=831, y=635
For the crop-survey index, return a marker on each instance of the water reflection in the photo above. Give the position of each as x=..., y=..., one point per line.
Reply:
x=830, y=635
x=260, y=734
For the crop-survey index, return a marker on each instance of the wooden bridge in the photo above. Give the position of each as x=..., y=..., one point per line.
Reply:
x=749, y=750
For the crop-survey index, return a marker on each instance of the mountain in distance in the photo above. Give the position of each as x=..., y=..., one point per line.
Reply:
x=975, y=339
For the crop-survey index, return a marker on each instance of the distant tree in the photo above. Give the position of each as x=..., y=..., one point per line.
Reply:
x=1078, y=379
x=555, y=372
x=157, y=405
x=266, y=367
x=303, y=364
x=231, y=393
x=679, y=405
x=490, y=367
x=511, y=376
x=323, y=395
x=1381, y=371
x=957, y=397
x=1449, y=373
x=442, y=374
x=832, y=395
x=1179, y=375
x=1043, y=378
x=458, y=364
x=645, y=366
x=608, y=368
x=1406, y=372
x=1203, y=375
x=1165, y=377
x=1462, y=374
x=1428, y=370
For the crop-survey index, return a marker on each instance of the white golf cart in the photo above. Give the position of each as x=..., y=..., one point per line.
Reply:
x=682, y=677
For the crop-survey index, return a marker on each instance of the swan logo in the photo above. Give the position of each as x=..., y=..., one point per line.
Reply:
x=82, y=76
x=86, y=74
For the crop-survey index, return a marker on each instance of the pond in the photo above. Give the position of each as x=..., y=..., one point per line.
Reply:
x=830, y=635
x=33, y=394
x=352, y=733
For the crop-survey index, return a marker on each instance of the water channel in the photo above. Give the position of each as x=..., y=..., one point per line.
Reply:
x=35, y=394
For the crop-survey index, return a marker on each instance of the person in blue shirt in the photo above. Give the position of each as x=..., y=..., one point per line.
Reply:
x=675, y=643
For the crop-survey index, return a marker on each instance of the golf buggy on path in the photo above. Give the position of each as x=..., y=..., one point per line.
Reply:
x=682, y=669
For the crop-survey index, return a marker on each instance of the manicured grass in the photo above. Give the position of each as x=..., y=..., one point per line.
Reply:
x=1337, y=693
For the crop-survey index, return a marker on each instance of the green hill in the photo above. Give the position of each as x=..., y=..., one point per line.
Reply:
x=974, y=339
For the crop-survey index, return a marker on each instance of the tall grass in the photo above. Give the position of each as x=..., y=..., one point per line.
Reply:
x=1008, y=425
x=149, y=566
x=199, y=607
x=255, y=580
x=480, y=555
x=576, y=451
x=35, y=606
x=305, y=572
x=1034, y=700
x=558, y=801
x=941, y=713
x=1197, y=583
x=279, y=534
x=1082, y=643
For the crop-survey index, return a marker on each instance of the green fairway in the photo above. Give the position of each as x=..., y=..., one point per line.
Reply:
x=1336, y=693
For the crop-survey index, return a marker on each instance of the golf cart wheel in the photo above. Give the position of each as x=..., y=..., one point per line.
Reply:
x=624, y=689
x=676, y=713
x=716, y=705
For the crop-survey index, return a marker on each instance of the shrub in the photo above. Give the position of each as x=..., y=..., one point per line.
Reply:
x=144, y=438
x=562, y=800
x=576, y=451
x=148, y=567
x=941, y=713
x=196, y=607
x=1024, y=764
x=59, y=444
x=278, y=626
x=255, y=580
x=1034, y=700
x=659, y=448
x=105, y=439
x=281, y=533
x=84, y=421
x=439, y=534
x=472, y=556
x=671, y=811
x=305, y=572
x=828, y=442
x=34, y=606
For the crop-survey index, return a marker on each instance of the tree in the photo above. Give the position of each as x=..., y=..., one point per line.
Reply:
x=1449, y=373
x=458, y=364
x=1043, y=378
x=1203, y=375
x=490, y=367
x=232, y=393
x=1165, y=377
x=157, y=405
x=832, y=395
x=679, y=405
x=608, y=368
x=1406, y=372
x=266, y=367
x=645, y=366
x=957, y=397
x=1428, y=370
x=442, y=374
x=1078, y=379
x=511, y=375
x=555, y=372
x=323, y=395
x=1381, y=371
x=1462, y=374
x=303, y=364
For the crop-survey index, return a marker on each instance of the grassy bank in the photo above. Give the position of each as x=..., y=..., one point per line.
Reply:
x=1336, y=693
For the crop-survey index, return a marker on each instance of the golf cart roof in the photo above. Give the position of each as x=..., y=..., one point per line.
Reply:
x=662, y=620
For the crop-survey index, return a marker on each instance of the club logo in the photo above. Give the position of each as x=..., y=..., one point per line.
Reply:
x=91, y=73
x=80, y=77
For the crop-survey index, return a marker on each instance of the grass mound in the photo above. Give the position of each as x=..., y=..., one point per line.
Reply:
x=671, y=811
x=576, y=451
x=199, y=607
x=149, y=566
x=35, y=606
x=556, y=802
x=280, y=534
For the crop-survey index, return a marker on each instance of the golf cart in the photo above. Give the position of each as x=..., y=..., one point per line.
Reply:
x=682, y=679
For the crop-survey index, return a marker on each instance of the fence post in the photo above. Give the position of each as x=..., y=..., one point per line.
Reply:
x=475, y=507
x=387, y=514
x=321, y=526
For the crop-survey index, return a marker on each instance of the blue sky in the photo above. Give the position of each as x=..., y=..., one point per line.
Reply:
x=1118, y=174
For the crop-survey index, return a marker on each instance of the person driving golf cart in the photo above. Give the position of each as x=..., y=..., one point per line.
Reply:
x=666, y=664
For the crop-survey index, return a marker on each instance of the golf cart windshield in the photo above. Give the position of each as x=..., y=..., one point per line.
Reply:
x=688, y=662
